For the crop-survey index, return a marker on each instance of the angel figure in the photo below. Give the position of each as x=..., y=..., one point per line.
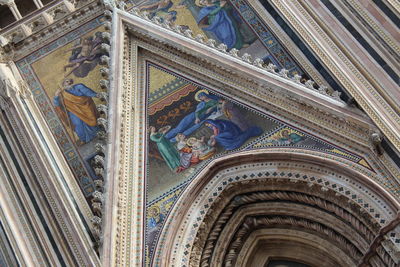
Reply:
x=85, y=56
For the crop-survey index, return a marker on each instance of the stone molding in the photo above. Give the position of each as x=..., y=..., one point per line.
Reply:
x=60, y=198
x=134, y=39
x=45, y=26
x=338, y=63
x=182, y=228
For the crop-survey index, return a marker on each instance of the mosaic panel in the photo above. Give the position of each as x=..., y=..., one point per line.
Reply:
x=189, y=125
x=64, y=79
x=231, y=22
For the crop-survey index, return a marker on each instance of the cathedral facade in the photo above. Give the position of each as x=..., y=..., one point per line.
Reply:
x=200, y=133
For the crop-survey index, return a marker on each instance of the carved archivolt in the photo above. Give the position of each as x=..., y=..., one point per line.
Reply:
x=280, y=209
x=225, y=242
x=209, y=226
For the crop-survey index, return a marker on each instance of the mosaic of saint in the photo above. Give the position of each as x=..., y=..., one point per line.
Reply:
x=73, y=98
x=65, y=77
x=189, y=125
x=218, y=20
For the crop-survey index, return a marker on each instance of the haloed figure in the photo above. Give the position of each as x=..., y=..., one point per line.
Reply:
x=167, y=150
x=191, y=122
x=213, y=17
x=76, y=108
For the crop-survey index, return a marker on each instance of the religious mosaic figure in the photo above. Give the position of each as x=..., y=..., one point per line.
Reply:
x=192, y=121
x=289, y=139
x=228, y=135
x=85, y=56
x=185, y=153
x=155, y=217
x=201, y=149
x=165, y=147
x=233, y=114
x=213, y=17
x=161, y=10
x=77, y=110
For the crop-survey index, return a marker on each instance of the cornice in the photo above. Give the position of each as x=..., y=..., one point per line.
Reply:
x=284, y=39
x=272, y=100
x=377, y=44
x=59, y=208
x=395, y=5
x=12, y=215
x=54, y=20
x=371, y=24
x=135, y=38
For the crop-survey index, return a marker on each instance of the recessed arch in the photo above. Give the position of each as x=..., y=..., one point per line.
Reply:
x=270, y=244
x=209, y=193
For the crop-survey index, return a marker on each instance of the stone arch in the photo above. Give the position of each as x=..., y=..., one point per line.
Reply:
x=267, y=190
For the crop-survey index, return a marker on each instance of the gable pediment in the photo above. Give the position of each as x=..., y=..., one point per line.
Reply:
x=160, y=73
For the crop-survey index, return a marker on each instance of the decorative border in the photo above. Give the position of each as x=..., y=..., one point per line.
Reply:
x=344, y=153
x=183, y=185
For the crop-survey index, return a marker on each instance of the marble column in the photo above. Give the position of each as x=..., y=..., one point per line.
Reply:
x=38, y=3
x=13, y=7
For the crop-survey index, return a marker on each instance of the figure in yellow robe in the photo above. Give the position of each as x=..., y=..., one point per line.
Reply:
x=76, y=101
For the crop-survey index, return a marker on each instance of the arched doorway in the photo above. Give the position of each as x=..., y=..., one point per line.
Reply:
x=247, y=209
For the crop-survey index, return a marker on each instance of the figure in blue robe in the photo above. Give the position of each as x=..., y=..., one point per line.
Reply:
x=153, y=221
x=192, y=121
x=228, y=135
x=76, y=102
x=289, y=139
x=214, y=18
x=155, y=217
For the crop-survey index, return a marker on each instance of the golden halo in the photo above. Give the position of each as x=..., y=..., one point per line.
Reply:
x=196, y=96
x=281, y=132
x=157, y=208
